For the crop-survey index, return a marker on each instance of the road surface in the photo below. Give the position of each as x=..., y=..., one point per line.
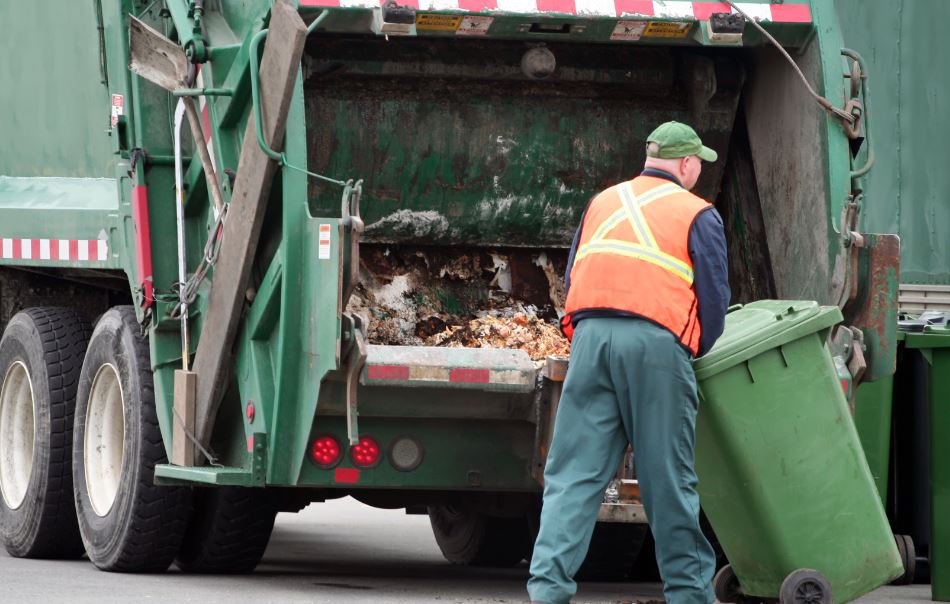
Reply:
x=335, y=552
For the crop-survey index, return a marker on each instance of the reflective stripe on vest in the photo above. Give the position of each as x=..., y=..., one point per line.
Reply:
x=636, y=257
x=648, y=249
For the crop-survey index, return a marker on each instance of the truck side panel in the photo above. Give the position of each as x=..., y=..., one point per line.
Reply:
x=910, y=72
x=56, y=108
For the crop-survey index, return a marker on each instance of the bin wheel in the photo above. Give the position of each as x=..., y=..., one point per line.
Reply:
x=805, y=586
x=905, y=545
x=726, y=586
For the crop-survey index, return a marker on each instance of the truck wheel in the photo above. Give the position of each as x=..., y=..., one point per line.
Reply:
x=805, y=586
x=40, y=358
x=229, y=530
x=613, y=552
x=128, y=524
x=468, y=537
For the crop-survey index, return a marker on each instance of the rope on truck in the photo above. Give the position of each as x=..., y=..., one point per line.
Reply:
x=212, y=459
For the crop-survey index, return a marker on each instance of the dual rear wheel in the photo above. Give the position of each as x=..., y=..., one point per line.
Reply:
x=468, y=537
x=79, y=441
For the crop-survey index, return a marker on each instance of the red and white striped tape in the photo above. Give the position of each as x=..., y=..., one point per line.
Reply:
x=72, y=250
x=688, y=11
x=205, y=116
x=455, y=375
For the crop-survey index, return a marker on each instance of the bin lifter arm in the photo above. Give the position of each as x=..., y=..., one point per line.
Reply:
x=279, y=70
x=187, y=16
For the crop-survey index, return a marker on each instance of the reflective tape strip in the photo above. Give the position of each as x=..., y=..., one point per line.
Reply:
x=456, y=375
x=52, y=250
x=346, y=475
x=659, y=193
x=470, y=376
x=618, y=216
x=645, y=9
x=387, y=372
x=612, y=221
x=204, y=113
x=673, y=9
x=640, y=252
x=636, y=217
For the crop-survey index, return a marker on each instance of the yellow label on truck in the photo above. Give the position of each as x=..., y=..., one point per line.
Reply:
x=433, y=22
x=667, y=29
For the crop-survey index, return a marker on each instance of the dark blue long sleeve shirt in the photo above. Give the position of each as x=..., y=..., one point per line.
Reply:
x=707, y=251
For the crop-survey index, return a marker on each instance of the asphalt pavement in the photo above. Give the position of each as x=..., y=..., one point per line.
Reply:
x=339, y=551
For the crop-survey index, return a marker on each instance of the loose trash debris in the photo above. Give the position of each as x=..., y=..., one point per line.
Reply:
x=427, y=297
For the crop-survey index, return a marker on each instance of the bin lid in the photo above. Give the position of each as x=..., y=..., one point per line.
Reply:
x=762, y=325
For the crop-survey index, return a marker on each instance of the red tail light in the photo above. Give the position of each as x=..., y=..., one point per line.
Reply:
x=366, y=452
x=325, y=451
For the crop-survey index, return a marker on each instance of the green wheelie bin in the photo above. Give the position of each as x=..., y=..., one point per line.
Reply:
x=933, y=343
x=782, y=475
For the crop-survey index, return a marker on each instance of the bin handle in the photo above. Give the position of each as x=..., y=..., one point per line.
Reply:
x=794, y=308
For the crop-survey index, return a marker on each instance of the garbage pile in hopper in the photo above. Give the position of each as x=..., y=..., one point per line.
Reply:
x=475, y=299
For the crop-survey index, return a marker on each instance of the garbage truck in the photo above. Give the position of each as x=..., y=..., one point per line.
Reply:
x=258, y=254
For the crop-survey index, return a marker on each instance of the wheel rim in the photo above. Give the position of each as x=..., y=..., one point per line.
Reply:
x=17, y=434
x=809, y=592
x=103, y=449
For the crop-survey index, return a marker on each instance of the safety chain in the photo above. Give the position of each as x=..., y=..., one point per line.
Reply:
x=188, y=291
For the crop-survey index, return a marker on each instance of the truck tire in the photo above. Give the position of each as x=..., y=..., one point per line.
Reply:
x=613, y=552
x=229, y=530
x=471, y=538
x=40, y=358
x=128, y=524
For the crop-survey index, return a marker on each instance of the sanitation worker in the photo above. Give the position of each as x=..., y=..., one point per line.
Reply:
x=647, y=293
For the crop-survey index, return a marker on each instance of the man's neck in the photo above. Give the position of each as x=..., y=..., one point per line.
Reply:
x=658, y=173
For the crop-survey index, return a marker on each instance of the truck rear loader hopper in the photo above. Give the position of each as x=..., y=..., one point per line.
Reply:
x=291, y=200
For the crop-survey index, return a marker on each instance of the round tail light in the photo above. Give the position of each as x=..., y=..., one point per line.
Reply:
x=325, y=451
x=366, y=452
x=406, y=453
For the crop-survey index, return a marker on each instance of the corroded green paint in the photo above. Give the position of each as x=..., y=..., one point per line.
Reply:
x=458, y=148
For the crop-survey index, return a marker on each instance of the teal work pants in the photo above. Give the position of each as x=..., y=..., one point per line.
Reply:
x=628, y=381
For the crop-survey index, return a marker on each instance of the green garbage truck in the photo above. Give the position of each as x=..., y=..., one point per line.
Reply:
x=259, y=254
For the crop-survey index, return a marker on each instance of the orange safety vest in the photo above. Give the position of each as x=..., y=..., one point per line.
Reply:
x=633, y=256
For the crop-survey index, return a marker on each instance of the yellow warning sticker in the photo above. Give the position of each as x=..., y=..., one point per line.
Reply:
x=433, y=22
x=667, y=29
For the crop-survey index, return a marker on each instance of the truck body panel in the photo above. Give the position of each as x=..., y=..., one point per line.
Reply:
x=907, y=188
x=458, y=150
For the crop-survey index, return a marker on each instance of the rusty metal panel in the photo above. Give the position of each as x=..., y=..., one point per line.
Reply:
x=908, y=190
x=457, y=146
x=873, y=305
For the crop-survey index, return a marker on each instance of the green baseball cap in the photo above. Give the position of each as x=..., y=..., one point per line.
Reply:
x=673, y=140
